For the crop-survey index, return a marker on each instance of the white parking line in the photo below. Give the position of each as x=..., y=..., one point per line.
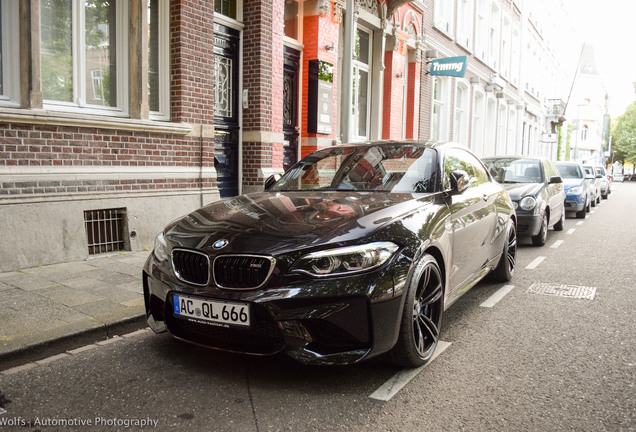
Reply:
x=579, y=223
x=390, y=388
x=494, y=299
x=534, y=264
x=556, y=244
x=571, y=230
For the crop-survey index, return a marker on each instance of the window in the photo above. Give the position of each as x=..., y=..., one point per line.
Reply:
x=477, y=137
x=441, y=96
x=515, y=61
x=444, y=15
x=490, y=125
x=460, y=129
x=481, y=29
x=9, y=53
x=501, y=129
x=465, y=23
x=158, y=60
x=362, y=83
x=506, y=36
x=93, y=46
x=460, y=160
x=493, y=35
x=227, y=8
x=512, y=132
x=293, y=25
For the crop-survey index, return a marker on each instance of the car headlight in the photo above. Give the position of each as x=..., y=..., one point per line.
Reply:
x=160, y=251
x=528, y=203
x=345, y=260
x=576, y=190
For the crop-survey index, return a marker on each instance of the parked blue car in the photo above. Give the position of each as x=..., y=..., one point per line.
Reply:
x=577, y=188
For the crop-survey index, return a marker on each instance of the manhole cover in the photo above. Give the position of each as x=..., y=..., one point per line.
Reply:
x=560, y=290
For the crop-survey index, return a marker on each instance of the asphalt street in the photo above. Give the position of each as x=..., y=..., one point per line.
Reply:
x=553, y=350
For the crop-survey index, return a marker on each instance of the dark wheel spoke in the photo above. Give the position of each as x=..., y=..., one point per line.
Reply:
x=433, y=297
x=429, y=325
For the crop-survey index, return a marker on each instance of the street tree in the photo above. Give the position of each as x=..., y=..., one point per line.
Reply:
x=624, y=133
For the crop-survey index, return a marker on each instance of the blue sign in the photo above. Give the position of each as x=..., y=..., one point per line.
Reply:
x=449, y=66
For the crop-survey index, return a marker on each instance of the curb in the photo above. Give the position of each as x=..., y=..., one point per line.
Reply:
x=63, y=343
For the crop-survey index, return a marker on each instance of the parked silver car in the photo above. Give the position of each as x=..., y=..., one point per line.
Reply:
x=595, y=184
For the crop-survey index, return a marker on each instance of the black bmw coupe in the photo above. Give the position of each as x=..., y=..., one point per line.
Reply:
x=356, y=251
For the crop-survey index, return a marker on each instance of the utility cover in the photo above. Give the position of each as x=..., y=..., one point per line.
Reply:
x=560, y=290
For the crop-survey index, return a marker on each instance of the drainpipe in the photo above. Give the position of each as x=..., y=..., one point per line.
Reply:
x=347, y=74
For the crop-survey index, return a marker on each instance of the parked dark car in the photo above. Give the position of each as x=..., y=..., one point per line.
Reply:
x=356, y=251
x=577, y=188
x=536, y=190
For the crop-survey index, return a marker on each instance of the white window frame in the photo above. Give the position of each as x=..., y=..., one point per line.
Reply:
x=494, y=34
x=515, y=60
x=164, y=63
x=511, y=147
x=502, y=129
x=462, y=112
x=478, y=122
x=506, y=37
x=444, y=16
x=465, y=23
x=490, y=126
x=10, y=54
x=439, y=124
x=79, y=104
x=367, y=67
x=482, y=14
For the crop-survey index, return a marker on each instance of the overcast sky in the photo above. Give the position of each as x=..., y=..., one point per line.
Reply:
x=610, y=25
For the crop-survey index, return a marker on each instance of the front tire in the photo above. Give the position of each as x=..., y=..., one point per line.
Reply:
x=541, y=238
x=508, y=261
x=421, y=317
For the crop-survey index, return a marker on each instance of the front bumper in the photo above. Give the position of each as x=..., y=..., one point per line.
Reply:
x=574, y=202
x=316, y=321
x=528, y=224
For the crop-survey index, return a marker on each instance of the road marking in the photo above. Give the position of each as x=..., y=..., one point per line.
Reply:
x=390, y=388
x=556, y=244
x=494, y=299
x=579, y=223
x=571, y=230
x=534, y=264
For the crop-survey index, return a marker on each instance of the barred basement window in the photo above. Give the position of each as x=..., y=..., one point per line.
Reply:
x=106, y=230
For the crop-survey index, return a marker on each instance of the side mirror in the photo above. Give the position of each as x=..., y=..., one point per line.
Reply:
x=460, y=181
x=271, y=181
x=555, y=179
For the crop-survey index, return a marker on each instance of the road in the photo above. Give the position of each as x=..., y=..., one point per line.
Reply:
x=527, y=362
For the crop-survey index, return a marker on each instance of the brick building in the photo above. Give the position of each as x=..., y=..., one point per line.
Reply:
x=116, y=117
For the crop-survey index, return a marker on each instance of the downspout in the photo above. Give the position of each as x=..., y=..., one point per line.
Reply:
x=347, y=73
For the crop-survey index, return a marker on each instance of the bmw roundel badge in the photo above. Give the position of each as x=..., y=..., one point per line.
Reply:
x=220, y=244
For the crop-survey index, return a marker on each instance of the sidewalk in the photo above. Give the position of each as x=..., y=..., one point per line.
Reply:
x=50, y=309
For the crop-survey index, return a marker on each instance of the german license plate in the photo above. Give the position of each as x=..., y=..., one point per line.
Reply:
x=211, y=311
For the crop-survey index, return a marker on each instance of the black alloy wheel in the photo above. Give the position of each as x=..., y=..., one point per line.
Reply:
x=542, y=236
x=422, y=316
x=508, y=262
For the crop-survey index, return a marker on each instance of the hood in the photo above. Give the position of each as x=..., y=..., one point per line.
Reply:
x=520, y=190
x=277, y=222
x=572, y=182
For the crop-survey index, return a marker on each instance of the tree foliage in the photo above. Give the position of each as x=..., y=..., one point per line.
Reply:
x=624, y=133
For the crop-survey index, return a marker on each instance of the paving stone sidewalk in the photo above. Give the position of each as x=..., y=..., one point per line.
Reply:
x=49, y=309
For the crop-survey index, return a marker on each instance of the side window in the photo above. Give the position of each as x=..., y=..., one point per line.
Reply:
x=459, y=160
x=550, y=171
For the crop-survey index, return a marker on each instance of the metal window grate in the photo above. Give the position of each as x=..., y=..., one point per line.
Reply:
x=105, y=230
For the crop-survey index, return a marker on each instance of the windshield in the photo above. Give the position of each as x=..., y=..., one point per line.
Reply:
x=570, y=171
x=510, y=170
x=399, y=168
x=589, y=170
